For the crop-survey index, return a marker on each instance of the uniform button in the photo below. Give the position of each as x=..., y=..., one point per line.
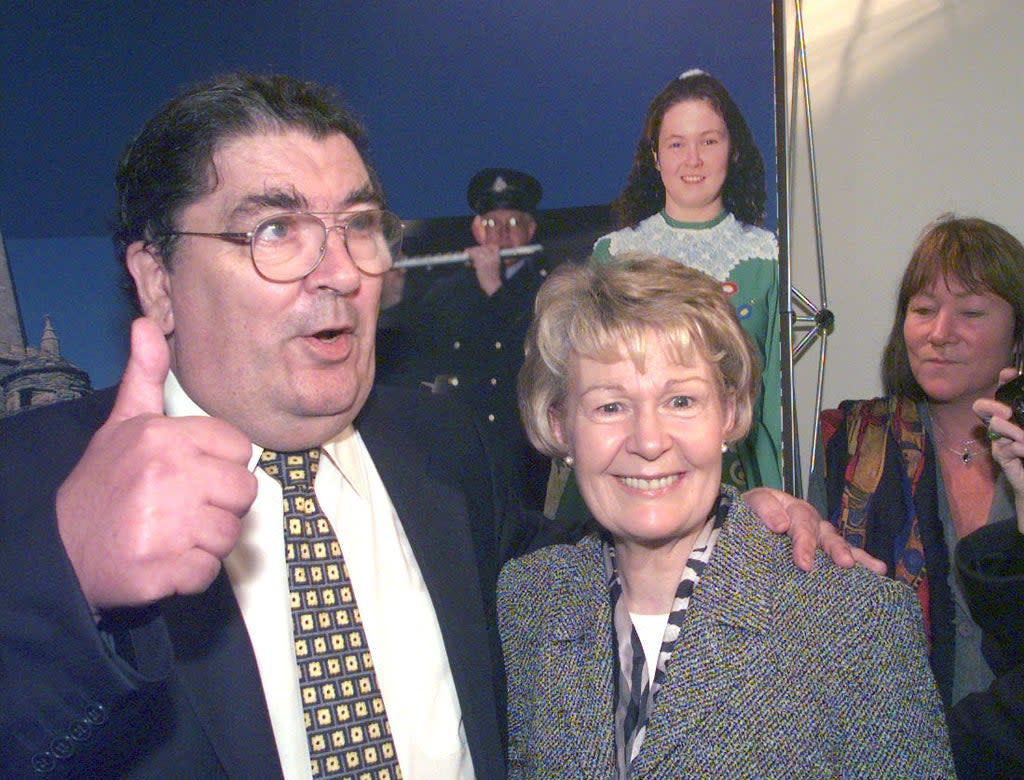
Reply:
x=80, y=731
x=457, y=345
x=490, y=418
x=494, y=380
x=43, y=763
x=497, y=345
x=453, y=381
x=62, y=747
x=96, y=714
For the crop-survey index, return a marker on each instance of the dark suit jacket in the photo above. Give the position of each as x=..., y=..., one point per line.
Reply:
x=475, y=340
x=173, y=690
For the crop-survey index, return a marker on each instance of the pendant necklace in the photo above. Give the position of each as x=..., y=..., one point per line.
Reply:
x=965, y=451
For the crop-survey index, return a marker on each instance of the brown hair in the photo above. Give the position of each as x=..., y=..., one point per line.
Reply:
x=982, y=256
x=743, y=193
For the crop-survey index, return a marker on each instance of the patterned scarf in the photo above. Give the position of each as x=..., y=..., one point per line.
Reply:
x=869, y=426
x=635, y=696
x=881, y=483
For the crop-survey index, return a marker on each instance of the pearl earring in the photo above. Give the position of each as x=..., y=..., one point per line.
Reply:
x=569, y=460
x=725, y=447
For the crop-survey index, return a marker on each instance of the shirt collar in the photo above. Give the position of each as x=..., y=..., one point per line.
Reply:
x=345, y=450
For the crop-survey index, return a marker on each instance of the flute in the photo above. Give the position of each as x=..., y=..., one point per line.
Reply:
x=462, y=257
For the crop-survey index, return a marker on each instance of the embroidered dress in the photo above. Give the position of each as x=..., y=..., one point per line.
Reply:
x=745, y=259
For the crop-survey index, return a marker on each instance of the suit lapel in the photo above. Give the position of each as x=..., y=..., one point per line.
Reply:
x=217, y=668
x=434, y=516
x=583, y=629
x=597, y=689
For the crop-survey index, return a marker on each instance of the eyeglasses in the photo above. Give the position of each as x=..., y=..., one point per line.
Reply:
x=490, y=223
x=289, y=247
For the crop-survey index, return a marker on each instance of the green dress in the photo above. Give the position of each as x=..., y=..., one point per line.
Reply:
x=745, y=259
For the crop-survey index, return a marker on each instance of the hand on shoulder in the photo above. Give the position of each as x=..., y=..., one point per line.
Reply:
x=786, y=514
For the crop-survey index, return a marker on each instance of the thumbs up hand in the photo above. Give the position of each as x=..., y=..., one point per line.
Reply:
x=155, y=503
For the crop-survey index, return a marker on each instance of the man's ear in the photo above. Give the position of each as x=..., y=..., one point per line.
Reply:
x=152, y=281
x=532, y=229
x=477, y=228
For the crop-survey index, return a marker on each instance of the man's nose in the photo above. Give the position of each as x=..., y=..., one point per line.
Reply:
x=337, y=270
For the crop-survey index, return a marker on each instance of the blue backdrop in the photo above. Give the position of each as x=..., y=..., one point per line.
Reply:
x=444, y=87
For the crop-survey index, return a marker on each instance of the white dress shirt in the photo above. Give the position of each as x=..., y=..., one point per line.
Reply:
x=397, y=613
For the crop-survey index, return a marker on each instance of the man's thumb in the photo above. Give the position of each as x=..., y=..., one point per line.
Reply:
x=142, y=385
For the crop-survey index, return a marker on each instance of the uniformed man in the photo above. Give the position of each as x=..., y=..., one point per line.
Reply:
x=464, y=337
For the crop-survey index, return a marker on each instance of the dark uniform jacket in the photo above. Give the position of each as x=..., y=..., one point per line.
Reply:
x=457, y=341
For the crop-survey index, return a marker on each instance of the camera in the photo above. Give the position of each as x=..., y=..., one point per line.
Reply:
x=1012, y=394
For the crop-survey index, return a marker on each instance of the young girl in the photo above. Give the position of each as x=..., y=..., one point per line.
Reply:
x=696, y=194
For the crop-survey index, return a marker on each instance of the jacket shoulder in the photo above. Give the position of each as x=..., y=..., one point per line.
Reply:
x=854, y=606
x=551, y=564
x=44, y=443
x=820, y=600
x=87, y=412
x=549, y=581
x=415, y=419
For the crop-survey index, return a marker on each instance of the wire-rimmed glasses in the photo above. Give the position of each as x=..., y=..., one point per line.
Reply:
x=499, y=224
x=288, y=247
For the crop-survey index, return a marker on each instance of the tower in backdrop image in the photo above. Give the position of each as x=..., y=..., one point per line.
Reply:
x=31, y=376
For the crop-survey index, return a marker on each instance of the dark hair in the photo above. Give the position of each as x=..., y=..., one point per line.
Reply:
x=979, y=254
x=169, y=165
x=743, y=193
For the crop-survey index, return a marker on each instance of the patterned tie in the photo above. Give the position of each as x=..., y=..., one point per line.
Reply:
x=348, y=729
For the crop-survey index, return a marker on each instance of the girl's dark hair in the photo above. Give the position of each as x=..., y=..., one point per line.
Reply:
x=743, y=193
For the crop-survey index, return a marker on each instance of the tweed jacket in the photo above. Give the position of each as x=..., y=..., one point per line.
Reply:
x=778, y=673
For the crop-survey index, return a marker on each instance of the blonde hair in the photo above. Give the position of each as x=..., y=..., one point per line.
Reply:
x=602, y=308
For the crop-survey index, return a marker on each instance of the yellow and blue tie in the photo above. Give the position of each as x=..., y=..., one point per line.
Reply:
x=348, y=730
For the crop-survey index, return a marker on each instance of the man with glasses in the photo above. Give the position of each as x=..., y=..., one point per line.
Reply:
x=464, y=336
x=255, y=235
